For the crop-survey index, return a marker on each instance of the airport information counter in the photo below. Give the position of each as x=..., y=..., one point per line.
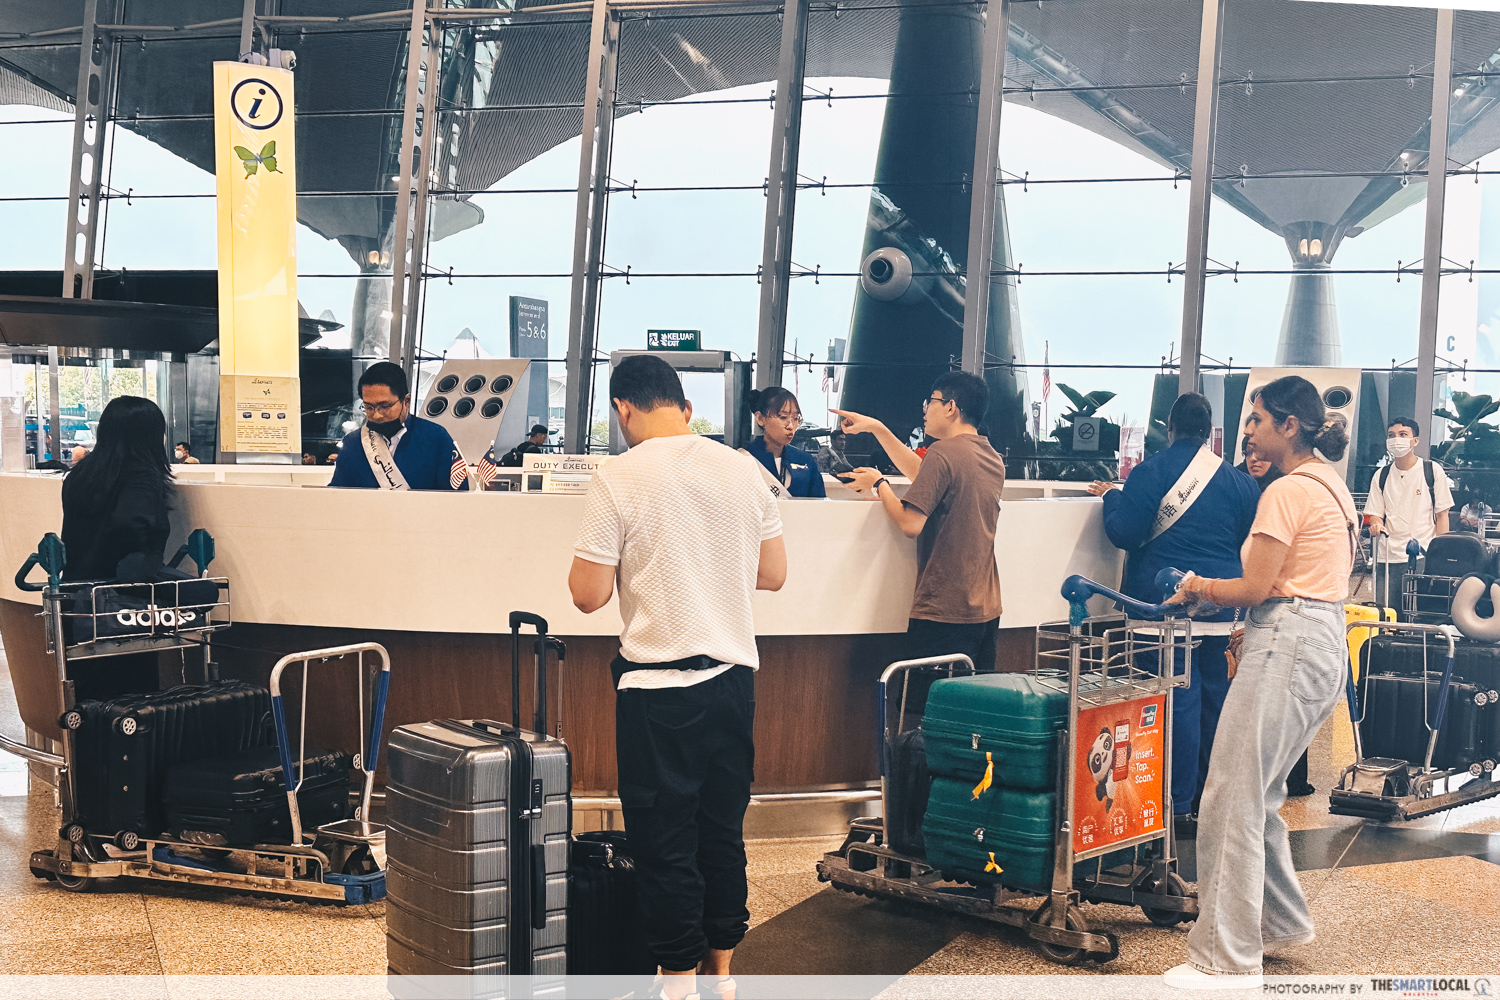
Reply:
x=433, y=576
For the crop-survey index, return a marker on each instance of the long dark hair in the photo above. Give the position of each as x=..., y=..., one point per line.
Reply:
x=131, y=443
x=1295, y=396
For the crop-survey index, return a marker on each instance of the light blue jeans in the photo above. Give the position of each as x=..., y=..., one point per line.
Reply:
x=1290, y=677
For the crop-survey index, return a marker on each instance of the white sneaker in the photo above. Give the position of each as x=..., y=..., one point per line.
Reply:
x=1185, y=977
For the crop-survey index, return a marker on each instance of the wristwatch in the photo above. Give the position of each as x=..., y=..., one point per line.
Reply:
x=882, y=481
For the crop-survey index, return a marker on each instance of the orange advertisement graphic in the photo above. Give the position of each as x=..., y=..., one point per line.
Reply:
x=1117, y=776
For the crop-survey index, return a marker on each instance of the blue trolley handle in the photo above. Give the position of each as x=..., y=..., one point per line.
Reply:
x=1077, y=590
x=283, y=737
x=199, y=547
x=51, y=555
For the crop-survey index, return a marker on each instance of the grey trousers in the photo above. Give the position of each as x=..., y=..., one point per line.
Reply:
x=1291, y=675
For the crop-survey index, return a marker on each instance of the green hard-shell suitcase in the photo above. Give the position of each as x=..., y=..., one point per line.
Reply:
x=1010, y=720
x=1003, y=836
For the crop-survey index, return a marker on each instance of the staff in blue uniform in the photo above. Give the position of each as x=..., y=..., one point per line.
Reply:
x=778, y=416
x=396, y=450
x=1185, y=507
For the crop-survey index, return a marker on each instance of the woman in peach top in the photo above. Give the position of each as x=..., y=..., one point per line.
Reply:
x=1291, y=665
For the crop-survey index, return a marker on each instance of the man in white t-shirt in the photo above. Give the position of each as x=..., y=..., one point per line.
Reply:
x=692, y=532
x=1409, y=498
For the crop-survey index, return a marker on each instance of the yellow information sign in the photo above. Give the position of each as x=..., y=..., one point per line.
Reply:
x=255, y=164
x=260, y=413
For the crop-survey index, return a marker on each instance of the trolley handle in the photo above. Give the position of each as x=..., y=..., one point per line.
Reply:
x=27, y=567
x=1448, y=632
x=51, y=555
x=1076, y=590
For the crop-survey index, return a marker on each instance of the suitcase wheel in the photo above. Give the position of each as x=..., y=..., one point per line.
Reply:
x=74, y=833
x=72, y=719
x=127, y=725
x=128, y=840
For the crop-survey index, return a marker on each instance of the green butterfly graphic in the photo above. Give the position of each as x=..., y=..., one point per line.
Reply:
x=251, y=161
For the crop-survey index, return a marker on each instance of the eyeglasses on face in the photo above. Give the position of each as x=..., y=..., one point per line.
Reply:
x=933, y=399
x=381, y=408
x=792, y=420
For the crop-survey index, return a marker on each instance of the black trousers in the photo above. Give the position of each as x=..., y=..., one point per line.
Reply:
x=975, y=639
x=686, y=758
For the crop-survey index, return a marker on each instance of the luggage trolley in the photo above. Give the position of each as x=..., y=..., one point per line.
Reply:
x=1106, y=665
x=1385, y=788
x=96, y=619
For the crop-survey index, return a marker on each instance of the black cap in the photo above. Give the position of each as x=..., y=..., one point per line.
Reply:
x=538, y=429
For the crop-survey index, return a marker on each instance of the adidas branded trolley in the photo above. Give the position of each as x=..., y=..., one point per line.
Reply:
x=1092, y=821
x=336, y=862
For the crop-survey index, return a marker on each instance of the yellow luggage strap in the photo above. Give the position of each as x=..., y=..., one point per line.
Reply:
x=989, y=775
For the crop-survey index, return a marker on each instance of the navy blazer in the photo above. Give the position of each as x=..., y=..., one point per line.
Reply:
x=1206, y=539
x=806, y=477
x=425, y=455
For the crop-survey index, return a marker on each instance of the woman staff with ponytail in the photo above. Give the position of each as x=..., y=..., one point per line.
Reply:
x=1291, y=664
x=778, y=416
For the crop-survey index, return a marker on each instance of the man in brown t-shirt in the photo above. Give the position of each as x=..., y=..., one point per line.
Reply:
x=950, y=509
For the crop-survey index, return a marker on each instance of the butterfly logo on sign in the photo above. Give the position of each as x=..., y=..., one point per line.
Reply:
x=254, y=161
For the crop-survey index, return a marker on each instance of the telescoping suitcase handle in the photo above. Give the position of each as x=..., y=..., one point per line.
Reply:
x=540, y=646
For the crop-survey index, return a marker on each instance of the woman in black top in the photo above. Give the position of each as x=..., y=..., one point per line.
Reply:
x=115, y=525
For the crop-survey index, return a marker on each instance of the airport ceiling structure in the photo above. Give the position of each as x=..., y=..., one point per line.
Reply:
x=1324, y=106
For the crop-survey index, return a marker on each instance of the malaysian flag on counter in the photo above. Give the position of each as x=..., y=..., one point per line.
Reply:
x=459, y=473
x=487, y=469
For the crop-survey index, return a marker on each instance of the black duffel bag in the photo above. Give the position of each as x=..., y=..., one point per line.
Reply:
x=171, y=601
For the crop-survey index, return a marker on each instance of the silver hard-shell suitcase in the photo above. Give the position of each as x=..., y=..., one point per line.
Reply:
x=479, y=816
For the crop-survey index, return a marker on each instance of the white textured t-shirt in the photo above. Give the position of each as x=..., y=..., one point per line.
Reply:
x=1406, y=508
x=683, y=518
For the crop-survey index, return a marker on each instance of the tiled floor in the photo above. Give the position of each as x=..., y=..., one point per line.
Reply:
x=1420, y=896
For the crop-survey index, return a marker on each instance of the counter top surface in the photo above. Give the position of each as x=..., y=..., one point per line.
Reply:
x=443, y=562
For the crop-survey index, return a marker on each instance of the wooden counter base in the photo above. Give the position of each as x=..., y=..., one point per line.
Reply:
x=815, y=725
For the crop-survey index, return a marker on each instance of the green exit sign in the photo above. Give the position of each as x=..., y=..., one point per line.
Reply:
x=673, y=340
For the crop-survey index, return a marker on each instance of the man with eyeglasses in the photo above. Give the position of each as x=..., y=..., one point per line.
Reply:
x=951, y=509
x=395, y=449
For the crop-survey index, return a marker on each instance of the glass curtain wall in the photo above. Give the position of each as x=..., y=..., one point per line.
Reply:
x=504, y=196
x=686, y=208
x=1317, y=224
x=1095, y=152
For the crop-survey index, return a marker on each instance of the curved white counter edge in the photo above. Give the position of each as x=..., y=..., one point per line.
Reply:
x=443, y=562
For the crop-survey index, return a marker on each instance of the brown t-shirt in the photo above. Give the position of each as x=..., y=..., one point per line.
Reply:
x=958, y=488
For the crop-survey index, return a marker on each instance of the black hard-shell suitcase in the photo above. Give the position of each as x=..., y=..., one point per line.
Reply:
x=124, y=747
x=1394, y=726
x=240, y=799
x=478, y=816
x=605, y=934
x=907, y=787
x=1477, y=663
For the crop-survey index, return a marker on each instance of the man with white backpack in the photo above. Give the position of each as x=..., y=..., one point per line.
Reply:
x=1409, y=498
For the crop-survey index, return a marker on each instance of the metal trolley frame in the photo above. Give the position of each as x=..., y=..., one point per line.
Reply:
x=1097, y=661
x=1389, y=789
x=336, y=863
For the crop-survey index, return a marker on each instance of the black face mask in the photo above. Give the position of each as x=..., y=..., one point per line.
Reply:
x=385, y=428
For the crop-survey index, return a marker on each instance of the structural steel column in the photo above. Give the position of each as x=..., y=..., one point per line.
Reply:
x=1432, y=242
x=247, y=30
x=427, y=128
x=588, y=227
x=781, y=196
x=1201, y=192
x=415, y=53
x=980, y=260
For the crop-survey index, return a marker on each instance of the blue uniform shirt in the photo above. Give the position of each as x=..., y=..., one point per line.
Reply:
x=806, y=477
x=1206, y=539
x=425, y=455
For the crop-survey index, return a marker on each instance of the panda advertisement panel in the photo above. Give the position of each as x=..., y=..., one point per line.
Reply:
x=1117, y=793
